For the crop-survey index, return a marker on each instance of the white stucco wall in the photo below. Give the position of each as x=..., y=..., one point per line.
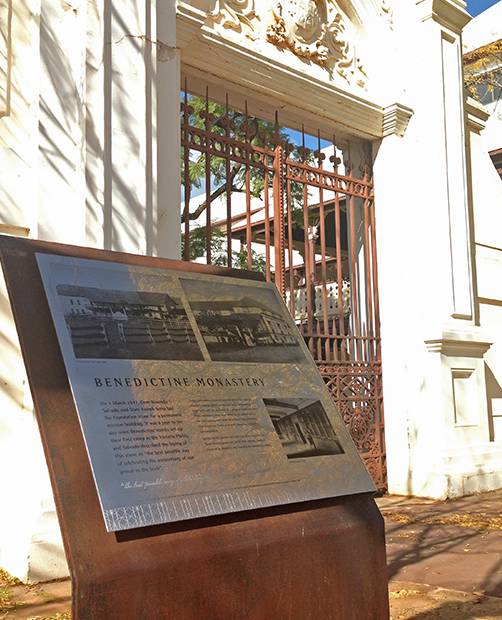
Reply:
x=487, y=219
x=84, y=133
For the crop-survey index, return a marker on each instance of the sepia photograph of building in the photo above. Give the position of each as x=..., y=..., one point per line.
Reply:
x=242, y=323
x=127, y=324
x=303, y=427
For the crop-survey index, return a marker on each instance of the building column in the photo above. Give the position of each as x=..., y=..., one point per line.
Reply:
x=132, y=128
x=432, y=351
x=359, y=156
x=442, y=22
x=168, y=80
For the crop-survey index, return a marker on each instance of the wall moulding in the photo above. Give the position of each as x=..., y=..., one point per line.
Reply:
x=396, y=118
x=459, y=344
x=476, y=115
x=231, y=65
x=448, y=13
x=323, y=32
x=5, y=55
x=12, y=229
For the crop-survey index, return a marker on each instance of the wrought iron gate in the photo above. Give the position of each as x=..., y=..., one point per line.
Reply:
x=254, y=199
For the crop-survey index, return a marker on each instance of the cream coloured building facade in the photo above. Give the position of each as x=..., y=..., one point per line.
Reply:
x=89, y=154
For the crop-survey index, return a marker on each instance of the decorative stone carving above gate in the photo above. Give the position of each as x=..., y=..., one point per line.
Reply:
x=316, y=30
x=236, y=15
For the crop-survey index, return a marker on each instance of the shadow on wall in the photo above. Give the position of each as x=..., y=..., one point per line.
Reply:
x=16, y=105
x=5, y=57
x=12, y=390
x=96, y=140
x=493, y=391
x=118, y=131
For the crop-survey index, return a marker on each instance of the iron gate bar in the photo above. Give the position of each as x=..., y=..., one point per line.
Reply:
x=337, y=312
x=185, y=128
x=228, y=181
x=207, y=165
x=338, y=243
x=324, y=274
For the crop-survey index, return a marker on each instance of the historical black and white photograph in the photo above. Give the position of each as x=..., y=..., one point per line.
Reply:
x=303, y=427
x=114, y=324
x=241, y=323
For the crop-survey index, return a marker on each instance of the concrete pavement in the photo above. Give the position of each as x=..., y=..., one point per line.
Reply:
x=444, y=563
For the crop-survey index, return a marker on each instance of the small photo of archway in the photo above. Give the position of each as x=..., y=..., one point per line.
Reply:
x=303, y=427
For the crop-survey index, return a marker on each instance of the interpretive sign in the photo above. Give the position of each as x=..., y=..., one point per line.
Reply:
x=195, y=393
x=196, y=397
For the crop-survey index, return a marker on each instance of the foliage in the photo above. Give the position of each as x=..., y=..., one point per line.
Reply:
x=198, y=243
x=6, y=582
x=483, y=71
x=5, y=599
x=245, y=129
x=6, y=579
x=240, y=260
x=198, y=238
x=8, y=598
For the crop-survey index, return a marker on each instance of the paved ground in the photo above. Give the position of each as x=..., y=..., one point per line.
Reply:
x=48, y=601
x=411, y=601
x=444, y=560
x=455, y=544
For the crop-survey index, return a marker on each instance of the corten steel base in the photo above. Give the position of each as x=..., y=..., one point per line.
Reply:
x=317, y=560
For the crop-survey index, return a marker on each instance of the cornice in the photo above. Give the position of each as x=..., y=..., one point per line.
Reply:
x=396, y=118
x=476, y=115
x=459, y=344
x=448, y=13
x=206, y=52
x=220, y=58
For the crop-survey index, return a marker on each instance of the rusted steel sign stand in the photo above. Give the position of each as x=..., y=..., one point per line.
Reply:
x=322, y=559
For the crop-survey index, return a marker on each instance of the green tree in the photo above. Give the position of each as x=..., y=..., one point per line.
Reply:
x=254, y=131
x=209, y=115
x=483, y=72
x=198, y=238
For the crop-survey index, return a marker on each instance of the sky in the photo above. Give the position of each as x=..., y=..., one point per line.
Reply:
x=478, y=6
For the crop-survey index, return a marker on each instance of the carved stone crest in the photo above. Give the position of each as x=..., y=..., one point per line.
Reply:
x=236, y=15
x=315, y=30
